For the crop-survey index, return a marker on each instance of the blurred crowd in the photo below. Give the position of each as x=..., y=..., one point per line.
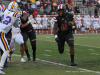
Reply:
x=49, y=7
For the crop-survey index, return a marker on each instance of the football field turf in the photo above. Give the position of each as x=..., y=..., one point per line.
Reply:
x=50, y=62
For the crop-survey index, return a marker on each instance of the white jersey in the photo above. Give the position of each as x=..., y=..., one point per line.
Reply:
x=16, y=30
x=84, y=19
x=8, y=19
x=88, y=21
x=96, y=20
x=92, y=19
x=78, y=20
x=52, y=23
x=32, y=21
x=38, y=20
x=44, y=20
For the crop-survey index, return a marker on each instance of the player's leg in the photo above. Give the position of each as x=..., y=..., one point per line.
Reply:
x=5, y=47
x=61, y=44
x=32, y=37
x=25, y=37
x=26, y=51
x=70, y=41
x=12, y=45
x=20, y=41
x=8, y=37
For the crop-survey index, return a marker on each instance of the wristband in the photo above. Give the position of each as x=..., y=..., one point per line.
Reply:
x=56, y=36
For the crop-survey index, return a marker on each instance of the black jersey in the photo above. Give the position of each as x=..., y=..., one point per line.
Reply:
x=63, y=22
x=28, y=27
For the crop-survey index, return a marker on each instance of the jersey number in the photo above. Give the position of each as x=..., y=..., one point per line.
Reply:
x=64, y=27
x=6, y=21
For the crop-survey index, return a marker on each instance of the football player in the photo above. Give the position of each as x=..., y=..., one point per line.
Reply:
x=88, y=23
x=52, y=24
x=96, y=23
x=27, y=31
x=65, y=24
x=78, y=19
x=10, y=17
x=92, y=19
x=38, y=22
x=17, y=37
x=45, y=22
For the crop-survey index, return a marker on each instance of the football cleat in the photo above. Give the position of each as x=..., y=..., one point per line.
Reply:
x=23, y=60
x=28, y=58
x=73, y=64
x=1, y=71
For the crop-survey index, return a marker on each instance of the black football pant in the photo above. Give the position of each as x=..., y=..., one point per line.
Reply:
x=32, y=37
x=68, y=38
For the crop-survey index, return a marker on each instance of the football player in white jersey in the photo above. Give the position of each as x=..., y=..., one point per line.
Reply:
x=95, y=23
x=88, y=23
x=45, y=22
x=17, y=37
x=92, y=19
x=99, y=21
x=52, y=24
x=38, y=22
x=78, y=19
x=9, y=18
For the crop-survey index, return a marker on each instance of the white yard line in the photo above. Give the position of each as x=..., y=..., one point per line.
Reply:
x=48, y=50
x=94, y=53
x=46, y=55
x=85, y=70
x=75, y=44
x=91, y=49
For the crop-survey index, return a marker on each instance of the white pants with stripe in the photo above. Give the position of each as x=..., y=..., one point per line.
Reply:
x=5, y=47
x=16, y=38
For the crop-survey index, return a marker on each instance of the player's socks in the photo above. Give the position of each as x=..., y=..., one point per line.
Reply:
x=34, y=56
x=72, y=60
x=28, y=55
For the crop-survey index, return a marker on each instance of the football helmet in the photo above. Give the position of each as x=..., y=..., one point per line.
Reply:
x=13, y=6
x=45, y=16
x=61, y=10
x=38, y=16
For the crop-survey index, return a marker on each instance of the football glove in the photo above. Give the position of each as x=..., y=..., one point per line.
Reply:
x=56, y=38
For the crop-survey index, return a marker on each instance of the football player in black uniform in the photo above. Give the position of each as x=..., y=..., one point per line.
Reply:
x=63, y=31
x=28, y=32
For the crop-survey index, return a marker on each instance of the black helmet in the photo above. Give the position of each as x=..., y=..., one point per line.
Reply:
x=61, y=7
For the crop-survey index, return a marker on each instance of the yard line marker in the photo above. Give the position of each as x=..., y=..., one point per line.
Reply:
x=86, y=70
x=95, y=53
x=48, y=50
x=91, y=49
x=46, y=55
x=74, y=44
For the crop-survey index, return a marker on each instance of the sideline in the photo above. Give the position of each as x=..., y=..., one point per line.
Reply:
x=86, y=70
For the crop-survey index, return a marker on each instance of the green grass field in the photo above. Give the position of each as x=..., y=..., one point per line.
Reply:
x=50, y=62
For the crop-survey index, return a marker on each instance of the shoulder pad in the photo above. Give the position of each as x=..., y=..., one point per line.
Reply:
x=55, y=19
x=16, y=14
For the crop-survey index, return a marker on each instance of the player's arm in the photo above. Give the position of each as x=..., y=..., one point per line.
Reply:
x=24, y=25
x=55, y=31
x=73, y=24
x=55, y=28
